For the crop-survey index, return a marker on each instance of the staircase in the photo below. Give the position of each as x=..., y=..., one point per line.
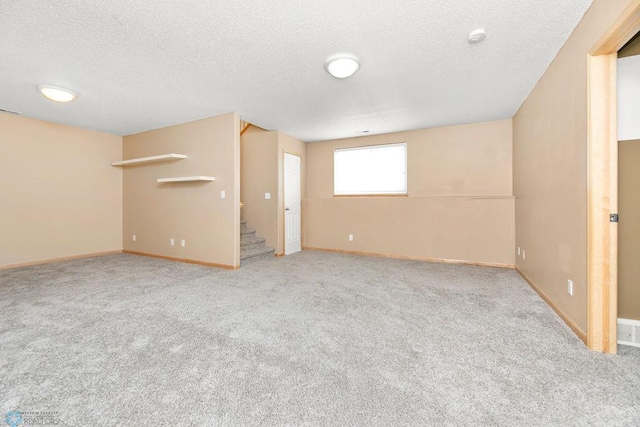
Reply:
x=252, y=247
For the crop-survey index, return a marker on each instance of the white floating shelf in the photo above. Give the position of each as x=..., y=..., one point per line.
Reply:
x=151, y=159
x=187, y=179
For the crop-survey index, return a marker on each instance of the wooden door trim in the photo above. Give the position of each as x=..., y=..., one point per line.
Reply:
x=625, y=27
x=601, y=301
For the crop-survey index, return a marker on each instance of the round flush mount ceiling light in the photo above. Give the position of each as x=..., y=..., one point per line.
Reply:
x=476, y=36
x=57, y=94
x=342, y=65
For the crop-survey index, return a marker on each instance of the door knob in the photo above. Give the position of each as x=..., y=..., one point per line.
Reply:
x=286, y=209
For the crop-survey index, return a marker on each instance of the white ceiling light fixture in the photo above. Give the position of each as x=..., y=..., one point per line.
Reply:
x=476, y=36
x=57, y=94
x=342, y=65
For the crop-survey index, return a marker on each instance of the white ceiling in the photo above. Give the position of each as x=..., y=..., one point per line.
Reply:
x=140, y=65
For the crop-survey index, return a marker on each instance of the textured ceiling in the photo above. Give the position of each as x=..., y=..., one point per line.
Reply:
x=140, y=65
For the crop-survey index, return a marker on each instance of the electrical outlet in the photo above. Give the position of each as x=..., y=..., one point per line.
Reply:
x=223, y=194
x=134, y=237
x=351, y=237
x=183, y=243
x=172, y=242
x=518, y=250
x=524, y=255
x=570, y=287
x=267, y=196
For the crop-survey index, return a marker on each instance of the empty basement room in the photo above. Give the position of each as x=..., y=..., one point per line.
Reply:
x=317, y=213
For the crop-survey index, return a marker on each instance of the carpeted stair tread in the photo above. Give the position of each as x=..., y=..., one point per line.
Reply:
x=251, y=239
x=252, y=242
x=247, y=231
x=252, y=247
x=262, y=252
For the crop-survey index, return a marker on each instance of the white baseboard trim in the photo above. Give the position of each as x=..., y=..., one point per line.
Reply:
x=629, y=332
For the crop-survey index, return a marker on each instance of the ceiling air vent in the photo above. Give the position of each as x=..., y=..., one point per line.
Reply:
x=8, y=111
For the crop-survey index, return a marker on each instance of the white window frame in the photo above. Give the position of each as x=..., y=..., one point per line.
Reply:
x=399, y=191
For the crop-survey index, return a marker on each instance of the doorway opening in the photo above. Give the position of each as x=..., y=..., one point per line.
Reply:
x=602, y=154
x=628, y=90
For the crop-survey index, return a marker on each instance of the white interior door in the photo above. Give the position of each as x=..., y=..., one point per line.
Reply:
x=292, y=241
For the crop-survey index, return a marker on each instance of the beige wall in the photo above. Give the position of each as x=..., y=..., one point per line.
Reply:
x=460, y=204
x=629, y=230
x=155, y=213
x=60, y=195
x=262, y=172
x=259, y=166
x=550, y=168
x=630, y=49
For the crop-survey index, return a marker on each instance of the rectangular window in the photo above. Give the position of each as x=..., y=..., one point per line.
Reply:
x=372, y=170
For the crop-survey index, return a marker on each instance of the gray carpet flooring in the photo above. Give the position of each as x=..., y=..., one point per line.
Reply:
x=309, y=339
